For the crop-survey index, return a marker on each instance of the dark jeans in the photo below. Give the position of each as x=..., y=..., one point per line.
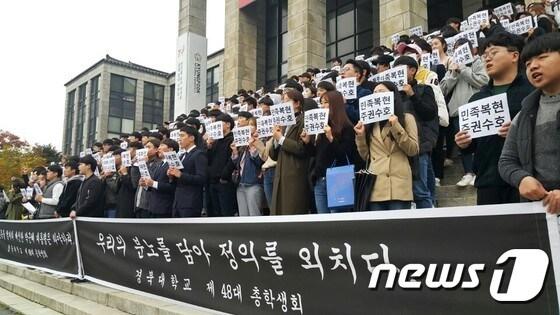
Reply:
x=438, y=154
x=142, y=213
x=187, y=213
x=496, y=195
x=389, y=205
x=159, y=215
x=268, y=182
x=221, y=200
x=423, y=186
x=467, y=159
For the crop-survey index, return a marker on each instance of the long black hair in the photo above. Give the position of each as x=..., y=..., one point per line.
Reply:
x=398, y=109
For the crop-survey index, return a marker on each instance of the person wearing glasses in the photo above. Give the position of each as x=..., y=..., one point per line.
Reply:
x=353, y=69
x=501, y=54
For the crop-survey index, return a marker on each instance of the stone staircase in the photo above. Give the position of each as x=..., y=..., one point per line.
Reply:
x=27, y=291
x=450, y=195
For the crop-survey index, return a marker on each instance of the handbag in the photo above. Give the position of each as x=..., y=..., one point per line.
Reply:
x=340, y=185
x=363, y=186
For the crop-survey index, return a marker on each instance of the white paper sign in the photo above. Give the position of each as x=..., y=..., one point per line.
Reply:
x=174, y=135
x=89, y=151
x=264, y=126
x=143, y=168
x=241, y=136
x=173, y=160
x=215, y=130
x=463, y=55
x=96, y=172
x=505, y=23
x=257, y=112
x=142, y=154
x=348, y=88
x=124, y=145
x=316, y=120
x=470, y=35
x=434, y=58
x=478, y=18
x=425, y=60
x=82, y=154
x=397, y=75
x=395, y=38
x=377, y=107
x=464, y=26
x=417, y=30
x=243, y=108
x=108, y=164
x=505, y=9
x=520, y=26
x=37, y=189
x=29, y=207
x=126, y=160
x=483, y=117
x=283, y=114
x=29, y=192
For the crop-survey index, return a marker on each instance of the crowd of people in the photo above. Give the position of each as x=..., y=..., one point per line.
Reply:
x=286, y=173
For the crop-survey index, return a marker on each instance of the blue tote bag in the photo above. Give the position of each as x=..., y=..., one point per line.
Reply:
x=340, y=186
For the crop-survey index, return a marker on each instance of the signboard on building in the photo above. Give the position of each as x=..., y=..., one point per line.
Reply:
x=190, y=75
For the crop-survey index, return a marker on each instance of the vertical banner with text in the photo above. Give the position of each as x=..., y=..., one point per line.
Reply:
x=190, y=75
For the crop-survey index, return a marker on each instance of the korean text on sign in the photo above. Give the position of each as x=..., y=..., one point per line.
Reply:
x=173, y=160
x=483, y=117
x=397, y=75
x=264, y=126
x=316, y=120
x=283, y=114
x=376, y=107
x=241, y=136
x=348, y=88
x=520, y=26
x=463, y=55
x=215, y=130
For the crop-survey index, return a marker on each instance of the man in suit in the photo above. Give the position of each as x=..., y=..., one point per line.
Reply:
x=161, y=190
x=192, y=178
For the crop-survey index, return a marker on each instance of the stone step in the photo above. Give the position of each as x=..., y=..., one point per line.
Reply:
x=112, y=299
x=20, y=305
x=452, y=191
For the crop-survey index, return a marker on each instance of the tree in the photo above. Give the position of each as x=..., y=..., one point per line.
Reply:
x=48, y=152
x=16, y=156
x=8, y=138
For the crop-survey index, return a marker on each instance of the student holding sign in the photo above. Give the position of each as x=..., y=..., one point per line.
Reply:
x=51, y=193
x=15, y=208
x=89, y=202
x=334, y=147
x=127, y=184
x=353, y=69
x=531, y=152
x=387, y=146
x=459, y=84
x=501, y=55
x=290, y=193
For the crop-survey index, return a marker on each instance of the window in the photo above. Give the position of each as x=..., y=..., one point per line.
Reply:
x=80, y=125
x=172, y=103
x=352, y=28
x=212, y=85
x=276, y=42
x=69, y=121
x=122, y=105
x=153, y=105
x=93, y=110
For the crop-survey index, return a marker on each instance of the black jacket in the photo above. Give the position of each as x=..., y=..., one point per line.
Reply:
x=90, y=201
x=68, y=197
x=219, y=156
x=188, y=192
x=424, y=108
x=125, y=196
x=487, y=150
x=342, y=151
x=161, y=199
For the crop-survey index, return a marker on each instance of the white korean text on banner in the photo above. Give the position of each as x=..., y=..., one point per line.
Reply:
x=347, y=87
x=316, y=120
x=484, y=117
x=397, y=75
x=376, y=107
x=283, y=114
x=241, y=136
x=265, y=125
x=215, y=130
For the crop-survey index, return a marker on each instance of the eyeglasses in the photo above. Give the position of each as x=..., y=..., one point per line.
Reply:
x=490, y=54
x=345, y=69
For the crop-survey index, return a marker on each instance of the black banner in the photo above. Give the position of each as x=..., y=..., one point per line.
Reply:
x=48, y=244
x=325, y=264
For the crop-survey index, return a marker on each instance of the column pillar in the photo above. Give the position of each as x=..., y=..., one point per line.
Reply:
x=397, y=16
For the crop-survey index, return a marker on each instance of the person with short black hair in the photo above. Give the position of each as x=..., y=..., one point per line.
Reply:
x=89, y=202
x=107, y=144
x=51, y=193
x=353, y=69
x=324, y=87
x=454, y=22
x=73, y=180
x=531, y=151
x=384, y=63
x=336, y=62
x=134, y=137
x=15, y=209
x=161, y=189
x=190, y=180
x=97, y=147
x=304, y=77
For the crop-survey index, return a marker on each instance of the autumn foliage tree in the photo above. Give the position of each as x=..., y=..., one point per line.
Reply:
x=16, y=155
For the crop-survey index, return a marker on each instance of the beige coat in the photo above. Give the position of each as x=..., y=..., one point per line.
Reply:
x=388, y=159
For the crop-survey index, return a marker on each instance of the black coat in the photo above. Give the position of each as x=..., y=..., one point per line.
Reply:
x=125, y=196
x=161, y=199
x=342, y=151
x=90, y=201
x=487, y=150
x=188, y=192
x=68, y=197
x=219, y=156
x=425, y=110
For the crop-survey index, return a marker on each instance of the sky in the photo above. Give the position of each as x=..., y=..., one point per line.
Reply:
x=44, y=44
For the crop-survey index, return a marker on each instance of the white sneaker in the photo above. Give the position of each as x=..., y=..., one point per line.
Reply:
x=466, y=180
x=438, y=182
x=472, y=181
